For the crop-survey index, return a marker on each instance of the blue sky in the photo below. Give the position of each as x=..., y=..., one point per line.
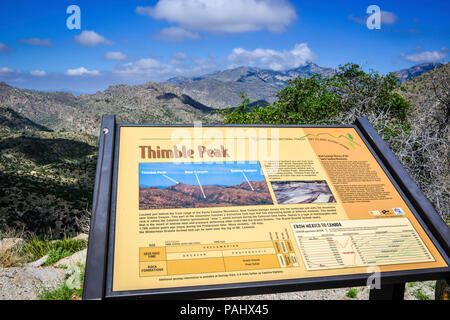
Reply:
x=134, y=42
x=226, y=174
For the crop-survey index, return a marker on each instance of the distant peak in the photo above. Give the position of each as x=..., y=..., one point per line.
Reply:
x=425, y=64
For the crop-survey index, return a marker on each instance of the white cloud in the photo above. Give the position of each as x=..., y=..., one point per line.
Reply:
x=178, y=59
x=426, y=56
x=82, y=71
x=37, y=42
x=388, y=18
x=272, y=59
x=4, y=47
x=6, y=70
x=234, y=16
x=179, y=56
x=18, y=80
x=178, y=65
x=38, y=73
x=357, y=19
x=143, y=67
x=176, y=34
x=116, y=55
x=91, y=38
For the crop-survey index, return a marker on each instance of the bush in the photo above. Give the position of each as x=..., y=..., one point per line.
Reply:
x=320, y=100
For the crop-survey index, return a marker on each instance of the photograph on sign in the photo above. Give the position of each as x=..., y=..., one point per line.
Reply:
x=302, y=192
x=209, y=184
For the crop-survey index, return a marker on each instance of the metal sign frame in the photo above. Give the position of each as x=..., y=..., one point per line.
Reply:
x=100, y=255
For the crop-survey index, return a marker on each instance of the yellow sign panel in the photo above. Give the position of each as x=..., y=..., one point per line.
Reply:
x=216, y=205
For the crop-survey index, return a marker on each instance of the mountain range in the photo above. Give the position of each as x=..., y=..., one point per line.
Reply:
x=223, y=88
x=178, y=100
x=415, y=71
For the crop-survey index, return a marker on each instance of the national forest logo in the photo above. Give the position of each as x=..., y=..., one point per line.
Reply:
x=348, y=139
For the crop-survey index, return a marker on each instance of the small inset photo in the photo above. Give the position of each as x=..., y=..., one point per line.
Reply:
x=291, y=192
x=201, y=185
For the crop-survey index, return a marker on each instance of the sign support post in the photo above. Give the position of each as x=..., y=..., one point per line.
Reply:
x=94, y=278
x=388, y=292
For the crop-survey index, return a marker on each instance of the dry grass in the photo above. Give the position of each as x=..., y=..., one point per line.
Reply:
x=10, y=257
x=83, y=223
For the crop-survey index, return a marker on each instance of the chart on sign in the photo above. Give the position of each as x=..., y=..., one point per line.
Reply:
x=231, y=205
x=343, y=244
x=239, y=256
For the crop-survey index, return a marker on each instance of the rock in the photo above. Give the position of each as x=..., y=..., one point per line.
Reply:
x=39, y=262
x=77, y=258
x=25, y=283
x=9, y=243
x=81, y=236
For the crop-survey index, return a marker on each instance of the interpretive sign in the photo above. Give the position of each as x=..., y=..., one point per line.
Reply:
x=214, y=209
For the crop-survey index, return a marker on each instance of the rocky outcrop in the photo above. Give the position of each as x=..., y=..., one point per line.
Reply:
x=147, y=103
x=73, y=260
x=25, y=283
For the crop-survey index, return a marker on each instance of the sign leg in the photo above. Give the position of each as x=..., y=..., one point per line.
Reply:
x=394, y=291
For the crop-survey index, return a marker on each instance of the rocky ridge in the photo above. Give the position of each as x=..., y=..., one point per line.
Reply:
x=223, y=88
x=146, y=103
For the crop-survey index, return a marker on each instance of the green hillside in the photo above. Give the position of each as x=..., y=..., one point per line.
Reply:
x=13, y=120
x=46, y=181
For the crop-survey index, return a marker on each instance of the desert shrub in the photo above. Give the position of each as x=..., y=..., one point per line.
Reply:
x=9, y=258
x=320, y=100
x=352, y=293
